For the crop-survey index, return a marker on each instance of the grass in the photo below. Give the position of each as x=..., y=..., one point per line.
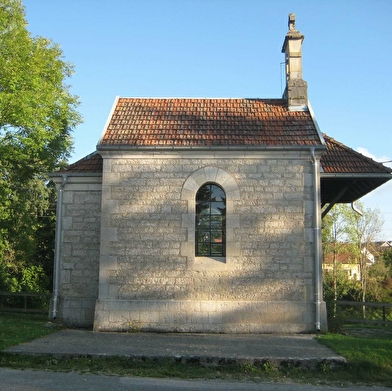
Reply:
x=369, y=360
x=16, y=328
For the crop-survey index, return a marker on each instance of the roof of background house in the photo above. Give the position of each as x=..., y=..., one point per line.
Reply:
x=204, y=122
x=343, y=257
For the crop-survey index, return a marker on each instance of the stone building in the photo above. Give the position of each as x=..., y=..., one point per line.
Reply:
x=203, y=215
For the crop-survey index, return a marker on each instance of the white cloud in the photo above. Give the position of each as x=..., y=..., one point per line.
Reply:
x=379, y=159
x=380, y=198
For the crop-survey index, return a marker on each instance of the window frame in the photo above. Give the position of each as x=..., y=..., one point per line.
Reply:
x=208, y=223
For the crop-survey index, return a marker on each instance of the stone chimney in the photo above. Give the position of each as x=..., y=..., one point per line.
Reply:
x=296, y=91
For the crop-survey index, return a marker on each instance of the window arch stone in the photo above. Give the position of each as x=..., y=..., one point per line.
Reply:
x=192, y=184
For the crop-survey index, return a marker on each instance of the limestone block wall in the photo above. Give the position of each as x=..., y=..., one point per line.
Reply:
x=149, y=275
x=79, y=251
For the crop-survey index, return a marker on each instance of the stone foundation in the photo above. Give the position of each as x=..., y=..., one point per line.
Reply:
x=205, y=316
x=75, y=311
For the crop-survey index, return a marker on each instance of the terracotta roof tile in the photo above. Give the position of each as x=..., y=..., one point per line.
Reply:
x=220, y=122
x=337, y=159
x=207, y=122
x=340, y=159
x=89, y=164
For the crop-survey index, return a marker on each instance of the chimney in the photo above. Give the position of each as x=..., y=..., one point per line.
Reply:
x=296, y=91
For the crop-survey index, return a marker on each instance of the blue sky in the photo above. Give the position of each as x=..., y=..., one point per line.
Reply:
x=230, y=48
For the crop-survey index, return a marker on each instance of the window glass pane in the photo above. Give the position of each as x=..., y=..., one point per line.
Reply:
x=217, y=194
x=216, y=219
x=210, y=221
x=204, y=193
x=216, y=249
x=205, y=211
x=203, y=222
x=202, y=207
x=203, y=249
x=217, y=208
x=216, y=236
x=204, y=237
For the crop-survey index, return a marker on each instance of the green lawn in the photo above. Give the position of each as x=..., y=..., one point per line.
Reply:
x=16, y=328
x=369, y=359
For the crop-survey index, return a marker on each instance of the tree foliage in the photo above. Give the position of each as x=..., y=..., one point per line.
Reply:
x=362, y=232
x=345, y=230
x=387, y=281
x=387, y=257
x=37, y=116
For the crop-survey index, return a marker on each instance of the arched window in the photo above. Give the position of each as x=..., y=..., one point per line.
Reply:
x=210, y=221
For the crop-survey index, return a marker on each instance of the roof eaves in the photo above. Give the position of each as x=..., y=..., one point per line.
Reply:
x=210, y=148
x=319, y=132
x=357, y=175
x=58, y=174
x=108, y=119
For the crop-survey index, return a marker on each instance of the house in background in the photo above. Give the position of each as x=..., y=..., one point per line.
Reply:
x=386, y=245
x=204, y=215
x=347, y=261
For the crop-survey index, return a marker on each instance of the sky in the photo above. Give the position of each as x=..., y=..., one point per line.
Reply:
x=230, y=49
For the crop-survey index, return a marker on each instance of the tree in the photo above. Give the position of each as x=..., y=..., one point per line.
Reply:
x=362, y=231
x=378, y=279
x=387, y=257
x=37, y=116
x=334, y=231
x=346, y=231
x=387, y=283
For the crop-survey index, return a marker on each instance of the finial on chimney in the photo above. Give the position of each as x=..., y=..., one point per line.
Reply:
x=292, y=22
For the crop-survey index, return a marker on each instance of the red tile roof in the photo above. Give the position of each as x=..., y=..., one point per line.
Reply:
x=144, y=122
x=166, y=122
x=340, y=159
x=337, y=159
x=344, y=258
x=91, y=163
x=182, y=122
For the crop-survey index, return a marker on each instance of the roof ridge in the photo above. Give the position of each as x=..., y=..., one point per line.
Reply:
x=199, y=98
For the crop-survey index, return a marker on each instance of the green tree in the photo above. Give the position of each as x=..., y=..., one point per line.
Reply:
x=346, y=231
x=362, y=232
x=334, y=233
x=378, y=278
x=387, y=282
x=37, y=116
x=387, y=257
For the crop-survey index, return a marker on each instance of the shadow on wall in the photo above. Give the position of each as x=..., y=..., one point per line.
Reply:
x=144, y=267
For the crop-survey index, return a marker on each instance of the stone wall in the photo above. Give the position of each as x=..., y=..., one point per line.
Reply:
x=210, y=316
x=79, y=250
x=149, y=275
